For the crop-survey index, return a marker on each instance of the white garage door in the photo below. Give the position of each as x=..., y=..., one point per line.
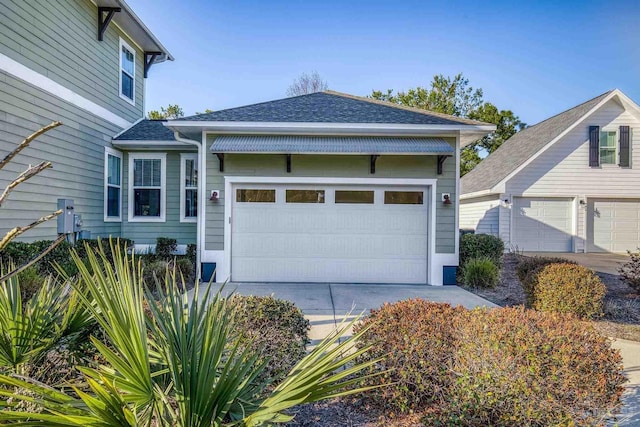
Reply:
x=349, y=234
x=613, y=225
x=542, y=224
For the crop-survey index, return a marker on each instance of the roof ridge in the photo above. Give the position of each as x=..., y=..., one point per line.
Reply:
x=407, y=108
x=569, y=109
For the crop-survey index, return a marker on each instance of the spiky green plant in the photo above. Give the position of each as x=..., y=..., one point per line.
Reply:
x=176, y=364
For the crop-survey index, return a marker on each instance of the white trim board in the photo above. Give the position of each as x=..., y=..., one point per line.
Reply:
x=40, y=81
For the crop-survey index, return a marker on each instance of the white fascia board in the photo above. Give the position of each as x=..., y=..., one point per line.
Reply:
x=148, y=143
x=340, y=153
x=500, y=187
x=476, y=194
x=314, y=128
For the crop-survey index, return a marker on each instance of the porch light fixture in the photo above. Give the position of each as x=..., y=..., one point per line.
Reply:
x=446, y=199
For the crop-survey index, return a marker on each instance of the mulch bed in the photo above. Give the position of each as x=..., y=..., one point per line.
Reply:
x=621, y=305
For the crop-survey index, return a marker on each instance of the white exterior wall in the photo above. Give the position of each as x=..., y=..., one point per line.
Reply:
x=480, y=214
x=563, y=170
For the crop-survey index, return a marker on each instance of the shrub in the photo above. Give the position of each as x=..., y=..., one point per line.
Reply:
x=521, y=367
x=568, y=288
x=414, y=338
x=527, y=265
x=498, y=367
x=480, y=245
x=480, y=273
x=275, y=328
x=165, y=248
x=185, y=267
x=192, y=248
x=630, y=271
x=30, y=282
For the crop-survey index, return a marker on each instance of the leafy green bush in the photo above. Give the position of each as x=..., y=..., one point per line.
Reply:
x=154, y=272
x=521, y=367
x=568, y=288
x=192, y=249
x=414, y=338
x=185, y=267
x=481, y=245
x=480, y=273
x=498, y=367
x=630, y=271
x=165, y=248
x=276, y=329
x=30, y=282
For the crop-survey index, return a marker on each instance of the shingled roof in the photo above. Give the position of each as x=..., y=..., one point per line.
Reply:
x=331, y=107
x=521, y=146
x=147, y=130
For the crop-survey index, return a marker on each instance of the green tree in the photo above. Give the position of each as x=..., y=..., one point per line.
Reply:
x=173, y=111
x=456, y=97
x=207, y=111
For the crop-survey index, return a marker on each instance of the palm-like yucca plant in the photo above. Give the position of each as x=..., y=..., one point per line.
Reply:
x=29, y=329
x=174, y=362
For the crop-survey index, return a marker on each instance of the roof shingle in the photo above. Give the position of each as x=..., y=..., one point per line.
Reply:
x=147, y=130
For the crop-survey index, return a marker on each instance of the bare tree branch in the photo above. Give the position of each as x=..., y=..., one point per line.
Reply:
x=32, y=171
x=15, y=232
x=23, y=267
x=26, y=142
x=306, y=84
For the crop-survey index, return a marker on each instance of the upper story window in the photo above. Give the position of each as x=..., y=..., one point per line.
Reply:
x=127, y=72
x=147, y=187
x=112, y=184
x=608, y=147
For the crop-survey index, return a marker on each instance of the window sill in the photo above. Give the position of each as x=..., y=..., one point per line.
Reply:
x=146, y=219
x=129, y=100
x=112, y=219
x=193, y=220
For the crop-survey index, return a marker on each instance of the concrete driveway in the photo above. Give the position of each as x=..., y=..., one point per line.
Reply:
x=601, y=262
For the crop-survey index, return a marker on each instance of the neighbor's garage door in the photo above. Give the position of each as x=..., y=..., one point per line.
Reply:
x=542, y=224
x=352, y=234
x=613, y=225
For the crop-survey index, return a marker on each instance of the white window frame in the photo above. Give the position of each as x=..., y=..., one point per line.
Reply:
x=121, y=69
x=616, y=159
x=163, y=187
x=108, y=151
x=183, y=187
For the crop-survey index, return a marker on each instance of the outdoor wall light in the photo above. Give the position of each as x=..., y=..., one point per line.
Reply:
x=446, y=199
x=215, y=195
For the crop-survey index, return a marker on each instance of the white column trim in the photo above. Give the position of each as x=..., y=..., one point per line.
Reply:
x=40, y=81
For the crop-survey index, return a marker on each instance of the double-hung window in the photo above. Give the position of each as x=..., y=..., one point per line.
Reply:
x=127, y=72
x=608, y=147
x=188, y=187
x=147, y=187
x=112, y=184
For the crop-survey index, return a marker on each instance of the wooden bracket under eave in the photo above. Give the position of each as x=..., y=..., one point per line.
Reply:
x=149, y=57
x=103, y=21
x=221, y=161
x=441, y=159
x=374, y=159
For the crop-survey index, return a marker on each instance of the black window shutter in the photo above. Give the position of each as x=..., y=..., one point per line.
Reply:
x=624, y=147
x=594, y=146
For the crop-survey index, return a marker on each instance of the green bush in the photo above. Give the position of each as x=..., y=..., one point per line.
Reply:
x=30, y=282
x=630, y=271
x=498, y=367
x=154, y=272
x=481, y=245
x=274, y=328
x=480, y=273
x=568, y=288
x=186, y=268
x=165, y=248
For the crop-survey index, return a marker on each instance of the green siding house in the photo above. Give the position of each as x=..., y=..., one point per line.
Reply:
x=325, y=187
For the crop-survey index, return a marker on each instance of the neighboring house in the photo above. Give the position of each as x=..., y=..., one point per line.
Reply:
x=324, y=187
x=568, y=184
x=84, y=63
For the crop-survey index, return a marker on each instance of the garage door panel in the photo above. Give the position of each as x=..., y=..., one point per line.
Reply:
x=325, y=242
x=542, y=224
x=613, y=225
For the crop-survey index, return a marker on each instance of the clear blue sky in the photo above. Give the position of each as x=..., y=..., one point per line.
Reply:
x=536, y=58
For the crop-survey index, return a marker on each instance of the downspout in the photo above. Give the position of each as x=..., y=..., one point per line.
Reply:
x=201, y=205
